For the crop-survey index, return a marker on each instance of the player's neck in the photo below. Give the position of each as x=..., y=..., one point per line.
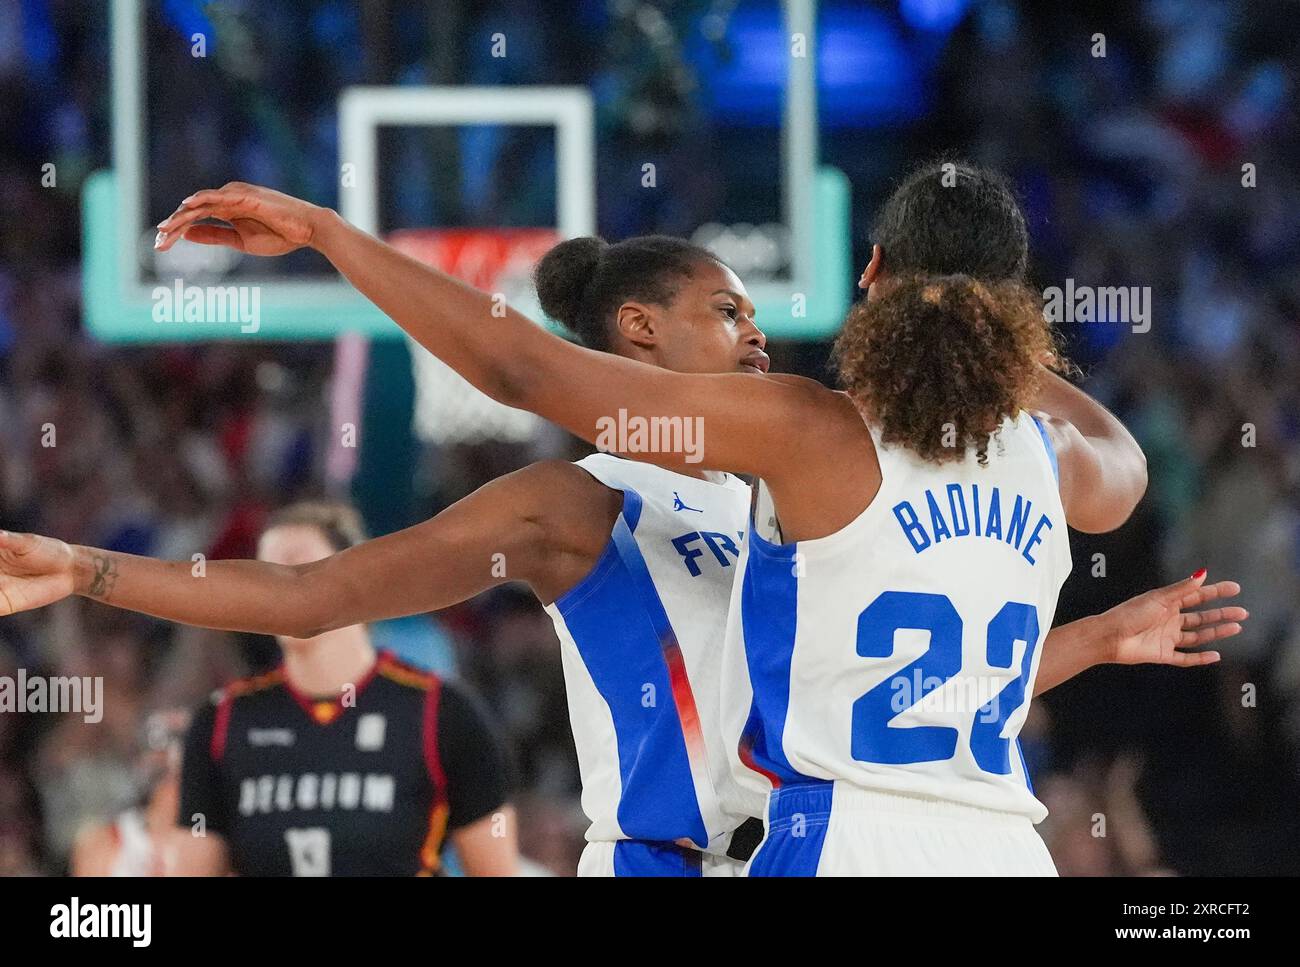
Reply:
x=329, y=662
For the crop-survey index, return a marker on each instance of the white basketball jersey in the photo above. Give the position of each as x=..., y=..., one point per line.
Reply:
x=899, y=653
x=641, y=640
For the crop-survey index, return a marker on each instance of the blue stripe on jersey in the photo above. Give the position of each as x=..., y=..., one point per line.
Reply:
x=1025, y=766
x=635, y=858
x=1047, y=442
x=617, y=622
x=768, y=608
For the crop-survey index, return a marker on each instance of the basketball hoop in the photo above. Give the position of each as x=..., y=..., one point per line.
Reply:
x=495, y=260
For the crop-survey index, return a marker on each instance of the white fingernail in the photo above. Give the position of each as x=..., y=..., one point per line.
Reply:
x=159, y=239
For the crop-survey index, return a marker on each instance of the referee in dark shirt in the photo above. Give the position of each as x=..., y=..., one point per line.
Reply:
x=342, y=761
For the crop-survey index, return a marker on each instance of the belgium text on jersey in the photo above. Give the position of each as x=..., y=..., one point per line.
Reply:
x=111, y=921
x=38, y=693
x=651, y=434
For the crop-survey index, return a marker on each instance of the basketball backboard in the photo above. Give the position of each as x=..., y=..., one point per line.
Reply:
x=375, y=152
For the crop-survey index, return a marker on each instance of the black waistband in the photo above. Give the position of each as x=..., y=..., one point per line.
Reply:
x=744, y=840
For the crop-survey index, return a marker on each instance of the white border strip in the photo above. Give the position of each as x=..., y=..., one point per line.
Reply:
x=569, y=109
x=799, y=140
x=126, y=71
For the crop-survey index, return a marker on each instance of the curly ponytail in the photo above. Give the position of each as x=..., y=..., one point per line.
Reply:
x=940, y=361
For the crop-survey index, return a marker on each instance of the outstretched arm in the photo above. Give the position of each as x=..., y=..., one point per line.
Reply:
x=750, y=424
x=1151, y=628
x=494, y=535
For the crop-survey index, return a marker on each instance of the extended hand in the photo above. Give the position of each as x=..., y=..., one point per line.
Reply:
x=34, y=571
x=1153, y=627
x=263, y=222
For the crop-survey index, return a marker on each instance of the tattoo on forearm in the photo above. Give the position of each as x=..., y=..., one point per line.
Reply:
x=101, y=584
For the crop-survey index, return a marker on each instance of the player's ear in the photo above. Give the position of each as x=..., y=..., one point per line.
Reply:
x=637, y=324
x=873, y=269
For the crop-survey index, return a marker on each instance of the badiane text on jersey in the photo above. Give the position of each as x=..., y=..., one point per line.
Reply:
x=962, y=511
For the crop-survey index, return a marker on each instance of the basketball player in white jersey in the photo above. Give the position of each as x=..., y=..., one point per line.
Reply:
x=817, y=449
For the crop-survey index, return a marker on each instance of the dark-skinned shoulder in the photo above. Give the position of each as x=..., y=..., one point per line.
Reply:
x=827, y=419
x=814, y=496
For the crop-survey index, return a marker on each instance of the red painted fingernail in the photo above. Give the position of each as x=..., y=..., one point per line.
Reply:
x=1199, y=574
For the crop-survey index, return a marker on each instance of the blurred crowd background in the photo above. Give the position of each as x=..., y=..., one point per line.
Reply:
x=1131, y=169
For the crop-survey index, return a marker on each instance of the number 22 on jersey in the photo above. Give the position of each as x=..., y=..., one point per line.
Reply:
x=876, y=739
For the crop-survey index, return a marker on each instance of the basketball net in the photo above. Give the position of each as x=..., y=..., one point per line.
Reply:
x=495, y=260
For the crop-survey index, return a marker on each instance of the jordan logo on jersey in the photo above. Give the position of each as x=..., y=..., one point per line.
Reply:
x=679, y=504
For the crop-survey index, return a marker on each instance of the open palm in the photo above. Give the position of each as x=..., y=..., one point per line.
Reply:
x=34, y=571
x=1156, y=626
